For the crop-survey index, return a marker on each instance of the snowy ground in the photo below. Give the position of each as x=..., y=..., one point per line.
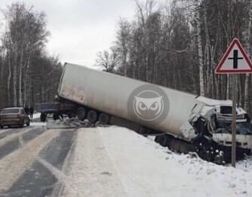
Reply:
x=117, y=162
x=38, y=124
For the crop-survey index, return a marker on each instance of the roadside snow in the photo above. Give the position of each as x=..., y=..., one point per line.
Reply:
x=91, y=171
x=38, y=124
x=36, y=116
x=141, y=167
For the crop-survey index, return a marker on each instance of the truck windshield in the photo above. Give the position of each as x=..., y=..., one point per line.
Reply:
x=244, y=128
x=226, y=110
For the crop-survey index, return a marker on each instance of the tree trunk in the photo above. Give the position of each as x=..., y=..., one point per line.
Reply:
x=9, y=80
x=247, y=77
x=200, y=53
x=20, y=100
x=207, y=56
x=14, y=78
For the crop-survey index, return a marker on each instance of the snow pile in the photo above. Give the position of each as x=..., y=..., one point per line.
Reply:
x=36, y=116
x=38, y=124
x=146, y=169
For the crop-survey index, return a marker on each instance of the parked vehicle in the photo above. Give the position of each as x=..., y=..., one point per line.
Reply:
x=14, y=116
x=57, y=109
x=199, y=122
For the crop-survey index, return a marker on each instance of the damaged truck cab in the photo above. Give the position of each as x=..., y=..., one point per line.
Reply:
x=212, y=119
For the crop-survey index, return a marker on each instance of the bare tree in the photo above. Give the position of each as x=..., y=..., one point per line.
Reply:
x=23, y=42
x=108, y=60
x=179, y=45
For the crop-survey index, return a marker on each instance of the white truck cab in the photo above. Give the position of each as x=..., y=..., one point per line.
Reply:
x=218, y=116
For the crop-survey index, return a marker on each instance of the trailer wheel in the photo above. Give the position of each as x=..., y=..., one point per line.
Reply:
x=163, y=140
x=158, y=139
x=92, y=116
x=104, y=118
x=81, y=113
x=55, y=116
x=43, y=117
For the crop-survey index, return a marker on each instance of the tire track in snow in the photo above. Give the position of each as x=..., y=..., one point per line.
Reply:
x=45, y=177
x=15, y=164
x=3, y=131
x=8, y=132
x=66, y=182
x=13, y=136
x=16, y=142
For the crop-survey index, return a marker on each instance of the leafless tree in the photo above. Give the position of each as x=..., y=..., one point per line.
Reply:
x=23, y=41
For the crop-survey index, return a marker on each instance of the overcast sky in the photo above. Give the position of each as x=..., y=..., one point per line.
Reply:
x=80, y=28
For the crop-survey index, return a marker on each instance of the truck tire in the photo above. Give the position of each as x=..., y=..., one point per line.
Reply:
x=104, y=118
x=163, y=140
x=92, y=116
x=55, y=116
x=81, y=113
x=205, y=148
x=43, y=117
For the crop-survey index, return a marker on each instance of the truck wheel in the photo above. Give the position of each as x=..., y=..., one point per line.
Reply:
x=205, y=149
x=92, y=116
x=43, y=117
x=104, y=118
x=158, y=139
x=163, y=140
x=81, y=113
x=55, y=116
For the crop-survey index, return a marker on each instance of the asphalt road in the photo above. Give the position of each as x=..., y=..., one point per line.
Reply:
x=30, y=159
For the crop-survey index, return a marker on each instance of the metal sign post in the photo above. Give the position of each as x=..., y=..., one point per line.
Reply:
x=235, y=61
x=234, y=79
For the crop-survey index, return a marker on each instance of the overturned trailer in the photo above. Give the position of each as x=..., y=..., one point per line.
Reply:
x=199, y=122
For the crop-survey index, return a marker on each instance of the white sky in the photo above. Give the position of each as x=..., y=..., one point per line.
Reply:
x=80, y=28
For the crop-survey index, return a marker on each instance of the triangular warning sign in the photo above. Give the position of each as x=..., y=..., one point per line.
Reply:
x=235, y=60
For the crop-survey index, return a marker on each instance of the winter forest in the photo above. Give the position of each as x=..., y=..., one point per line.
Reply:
x=176, y=44
x=27, y=73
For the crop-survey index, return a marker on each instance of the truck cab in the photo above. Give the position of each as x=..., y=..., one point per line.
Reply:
x=217, y=115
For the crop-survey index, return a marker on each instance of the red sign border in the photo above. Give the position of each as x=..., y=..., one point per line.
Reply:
x=225, y=56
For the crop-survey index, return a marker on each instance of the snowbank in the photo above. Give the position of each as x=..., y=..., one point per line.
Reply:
x=146, y=169
x=38, y=124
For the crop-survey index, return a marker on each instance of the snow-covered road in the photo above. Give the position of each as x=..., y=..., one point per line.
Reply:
x=107, y=162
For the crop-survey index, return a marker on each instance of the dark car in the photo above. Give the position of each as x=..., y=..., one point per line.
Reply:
x=14, y=116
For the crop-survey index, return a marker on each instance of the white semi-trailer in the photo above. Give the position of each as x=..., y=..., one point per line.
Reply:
x=199, y=122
